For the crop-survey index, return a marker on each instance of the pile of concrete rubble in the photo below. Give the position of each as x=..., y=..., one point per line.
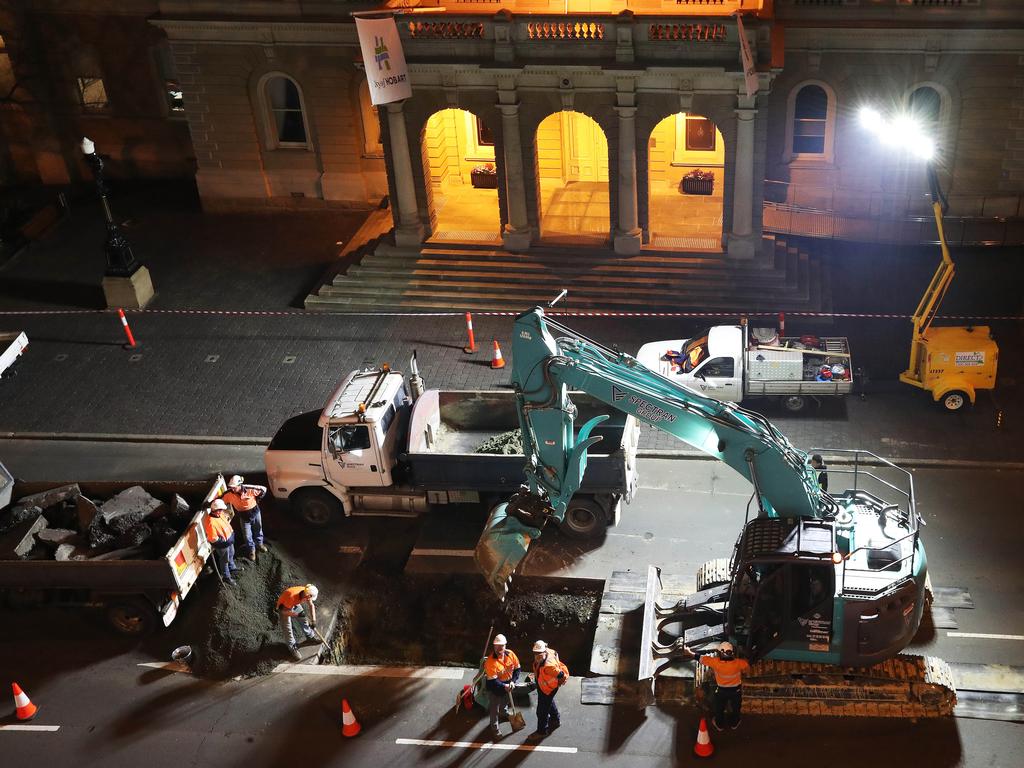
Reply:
x=63, y=524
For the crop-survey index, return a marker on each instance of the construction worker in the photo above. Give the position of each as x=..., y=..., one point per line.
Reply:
x=818, y=464
x=297, y=602
x=501, y=671
x=550, y=674
x=220, y=534
x=244, y=500
x=728, y=683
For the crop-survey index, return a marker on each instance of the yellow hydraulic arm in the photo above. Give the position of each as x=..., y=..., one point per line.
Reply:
x=936, y=291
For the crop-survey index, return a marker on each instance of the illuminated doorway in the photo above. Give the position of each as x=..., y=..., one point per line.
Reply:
x=461, y=177
x=686, y=177
x=572, y=179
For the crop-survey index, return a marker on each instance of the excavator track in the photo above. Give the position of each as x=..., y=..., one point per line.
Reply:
x=906, y=686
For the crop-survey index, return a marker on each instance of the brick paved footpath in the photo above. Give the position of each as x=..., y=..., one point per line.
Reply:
x=241, y=375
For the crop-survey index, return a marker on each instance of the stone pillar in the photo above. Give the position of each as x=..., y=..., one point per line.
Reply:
x=517, y=234
x=408, y=227
x=741, y=239
x=628, y=237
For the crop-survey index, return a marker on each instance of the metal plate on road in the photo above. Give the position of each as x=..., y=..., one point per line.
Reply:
x=943, y=618
x=951, y=597
x=999, y=678
x=982, y=705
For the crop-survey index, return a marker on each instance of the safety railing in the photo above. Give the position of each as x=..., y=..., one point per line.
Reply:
x=884, y=217
x=860, y=468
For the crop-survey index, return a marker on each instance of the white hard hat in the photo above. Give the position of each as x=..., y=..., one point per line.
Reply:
x=219, y=505
x=235, y=481
x=500, y=640
x=540, y=647
x=726, y=647
x=312, y=591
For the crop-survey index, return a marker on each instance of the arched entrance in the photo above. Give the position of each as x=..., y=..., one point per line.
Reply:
x=572, y=179
x=685, y=181
x=461, y=177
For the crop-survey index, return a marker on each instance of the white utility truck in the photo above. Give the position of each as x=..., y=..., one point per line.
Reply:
x=11, y=345
x=372, y=451
x=735, y=363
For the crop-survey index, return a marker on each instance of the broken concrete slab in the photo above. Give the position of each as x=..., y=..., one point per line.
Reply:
x=67, y=552
x=19, y=514
x=86, y=510
x=120, y=554
x=177, y=507
x=131, y=500
x=51, y=497
x=54, y=537
x=23, y=547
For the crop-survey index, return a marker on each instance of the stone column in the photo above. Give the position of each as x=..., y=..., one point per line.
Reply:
x=741, y=239
x=628, y=238
x=517, y=234
x=408, y=227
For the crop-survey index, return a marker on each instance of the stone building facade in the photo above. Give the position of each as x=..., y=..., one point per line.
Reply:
x=534, y=121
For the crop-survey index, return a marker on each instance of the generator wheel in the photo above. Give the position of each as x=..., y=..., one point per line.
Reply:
x=954, y=401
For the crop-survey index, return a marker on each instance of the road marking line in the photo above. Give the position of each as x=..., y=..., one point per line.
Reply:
x=359, y=670
x=425, y=552
x=486, y=745
x=48, y=728
x=984, y=636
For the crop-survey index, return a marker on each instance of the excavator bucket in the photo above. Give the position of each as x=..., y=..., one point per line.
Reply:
x=502, y=546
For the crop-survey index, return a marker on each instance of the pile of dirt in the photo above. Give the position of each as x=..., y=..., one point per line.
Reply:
x=443, y=619
x=508, y=443
x=233, y=629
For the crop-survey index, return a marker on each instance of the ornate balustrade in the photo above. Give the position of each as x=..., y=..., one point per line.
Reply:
x=626, y=38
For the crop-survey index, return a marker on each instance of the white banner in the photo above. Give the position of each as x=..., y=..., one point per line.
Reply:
x=384, y=60
x=749, y=71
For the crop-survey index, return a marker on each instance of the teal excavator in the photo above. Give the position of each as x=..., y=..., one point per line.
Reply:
x=823, y=590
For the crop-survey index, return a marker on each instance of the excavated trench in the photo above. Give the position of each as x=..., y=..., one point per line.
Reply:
x=444, y=619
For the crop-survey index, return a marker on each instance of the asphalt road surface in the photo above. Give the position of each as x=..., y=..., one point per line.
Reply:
x=112, y=712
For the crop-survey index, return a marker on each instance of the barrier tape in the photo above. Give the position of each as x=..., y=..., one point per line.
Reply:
x=549, y=312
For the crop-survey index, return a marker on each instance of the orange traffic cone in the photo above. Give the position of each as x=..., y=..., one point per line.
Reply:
x=349, y=726
x=497, y=361
x=25, y=709
x=703, y=747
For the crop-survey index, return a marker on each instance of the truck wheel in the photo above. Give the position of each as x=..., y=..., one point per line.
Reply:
x=954, y=401
x=584, y=519
x=131, y=616
x=713, y=573
x=794, y=403
x=316, y=506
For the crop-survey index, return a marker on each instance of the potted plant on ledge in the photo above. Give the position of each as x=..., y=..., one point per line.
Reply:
x=699, y=182
x=484, y=176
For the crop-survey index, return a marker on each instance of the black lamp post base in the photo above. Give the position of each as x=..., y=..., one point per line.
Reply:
x=120, y=259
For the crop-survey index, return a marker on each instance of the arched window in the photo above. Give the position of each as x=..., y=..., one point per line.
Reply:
x=287, y=118
x=810, y=121
x=925, y=105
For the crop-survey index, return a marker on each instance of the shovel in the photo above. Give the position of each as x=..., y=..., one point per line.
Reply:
x=515, y=717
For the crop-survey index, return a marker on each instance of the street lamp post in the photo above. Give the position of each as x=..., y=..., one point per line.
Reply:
x=126, y=282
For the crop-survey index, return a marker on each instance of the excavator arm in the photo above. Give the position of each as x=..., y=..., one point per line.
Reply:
x=545, y=368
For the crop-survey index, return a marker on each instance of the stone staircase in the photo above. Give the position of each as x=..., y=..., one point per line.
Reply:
x=480, y=277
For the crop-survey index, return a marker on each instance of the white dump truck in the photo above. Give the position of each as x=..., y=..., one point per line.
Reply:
x=735, y=363
x=372, y=451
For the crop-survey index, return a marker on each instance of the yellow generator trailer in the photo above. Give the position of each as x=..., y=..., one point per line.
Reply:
x=954, y=363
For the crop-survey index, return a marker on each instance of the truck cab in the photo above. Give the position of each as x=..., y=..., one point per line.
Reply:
x=357, y=421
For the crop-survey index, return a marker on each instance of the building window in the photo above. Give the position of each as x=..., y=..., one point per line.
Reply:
x=484, y=137
x=91, y=93
x=288, y=121
x=925, y=105
x=810, y=118
x=170, y=88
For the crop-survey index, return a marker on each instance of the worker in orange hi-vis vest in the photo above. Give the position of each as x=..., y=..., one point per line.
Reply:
x=551, y=674
x=244, y=499
x=728, y=683
x=501, y=670
x=222, y=537
x=297, y=602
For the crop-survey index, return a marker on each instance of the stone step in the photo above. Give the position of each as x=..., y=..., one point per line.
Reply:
x=371, y=268
x=642, y=261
